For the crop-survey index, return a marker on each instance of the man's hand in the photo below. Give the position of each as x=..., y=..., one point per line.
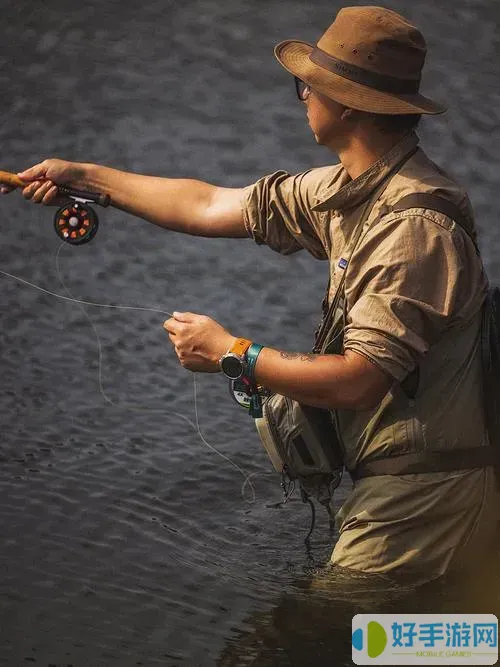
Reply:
x=198, y=340
x=42, y=180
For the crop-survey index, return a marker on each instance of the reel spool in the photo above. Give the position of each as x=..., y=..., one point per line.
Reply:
x=76, y=223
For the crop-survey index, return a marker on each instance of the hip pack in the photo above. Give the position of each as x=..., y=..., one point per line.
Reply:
x=303, y=442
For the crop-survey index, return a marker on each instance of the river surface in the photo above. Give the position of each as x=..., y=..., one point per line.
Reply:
x=126, y=539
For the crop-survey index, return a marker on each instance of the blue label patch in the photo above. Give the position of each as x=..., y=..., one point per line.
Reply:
x=343, y=263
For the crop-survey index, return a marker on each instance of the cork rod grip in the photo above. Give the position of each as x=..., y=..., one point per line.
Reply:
x=7, y=178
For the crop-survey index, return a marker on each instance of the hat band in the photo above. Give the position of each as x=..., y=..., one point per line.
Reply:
x=382, y=82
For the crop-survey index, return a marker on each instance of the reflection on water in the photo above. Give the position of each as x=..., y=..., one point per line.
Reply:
x=124, y=539
x=310, y=624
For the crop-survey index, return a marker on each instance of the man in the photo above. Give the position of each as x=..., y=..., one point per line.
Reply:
x=414, y=287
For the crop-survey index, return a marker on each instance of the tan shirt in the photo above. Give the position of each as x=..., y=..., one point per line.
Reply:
x=414, y=289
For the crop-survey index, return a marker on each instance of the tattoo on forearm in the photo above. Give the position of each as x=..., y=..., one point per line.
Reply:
x=298, y=355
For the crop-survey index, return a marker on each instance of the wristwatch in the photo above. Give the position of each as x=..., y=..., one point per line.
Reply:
x=233, y=363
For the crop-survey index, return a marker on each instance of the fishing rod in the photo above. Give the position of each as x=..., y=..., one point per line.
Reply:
x=75, y=223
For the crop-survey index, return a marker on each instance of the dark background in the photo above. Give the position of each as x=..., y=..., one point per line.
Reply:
x=126, y=540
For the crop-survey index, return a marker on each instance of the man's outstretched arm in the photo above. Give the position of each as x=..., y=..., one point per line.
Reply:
x=182, y=205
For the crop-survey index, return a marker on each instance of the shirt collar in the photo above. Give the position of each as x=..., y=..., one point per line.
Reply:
x=356, y=191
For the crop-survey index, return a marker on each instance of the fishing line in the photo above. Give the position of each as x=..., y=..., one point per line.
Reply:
x=195, y=425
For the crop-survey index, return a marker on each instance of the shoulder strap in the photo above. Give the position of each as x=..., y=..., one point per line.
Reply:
x=436, y=203
x=433, y=203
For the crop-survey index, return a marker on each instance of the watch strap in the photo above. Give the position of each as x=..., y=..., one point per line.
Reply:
x=240, y=346
x=252, y=353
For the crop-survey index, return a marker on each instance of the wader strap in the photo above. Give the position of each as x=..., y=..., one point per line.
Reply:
x=438, y=204
x=433, y=203
x=423, y=462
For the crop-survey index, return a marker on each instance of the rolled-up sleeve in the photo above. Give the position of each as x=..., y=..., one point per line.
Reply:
x=410, y=279
x=277, y=211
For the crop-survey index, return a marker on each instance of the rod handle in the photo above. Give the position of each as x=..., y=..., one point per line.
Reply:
x=12, y=180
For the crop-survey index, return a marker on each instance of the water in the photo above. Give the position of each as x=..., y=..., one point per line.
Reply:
x=125, y=540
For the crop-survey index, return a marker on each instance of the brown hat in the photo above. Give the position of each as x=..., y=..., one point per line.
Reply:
x=370, y=59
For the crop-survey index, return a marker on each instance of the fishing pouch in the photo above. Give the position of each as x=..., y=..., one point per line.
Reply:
x=302, y=443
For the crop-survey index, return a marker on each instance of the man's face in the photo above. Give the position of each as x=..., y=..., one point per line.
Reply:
x=325, y=120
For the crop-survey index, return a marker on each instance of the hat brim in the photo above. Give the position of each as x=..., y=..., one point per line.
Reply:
x=294, y=56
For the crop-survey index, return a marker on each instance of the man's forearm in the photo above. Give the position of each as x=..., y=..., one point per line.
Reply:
x=182, y=205
x=327, y=381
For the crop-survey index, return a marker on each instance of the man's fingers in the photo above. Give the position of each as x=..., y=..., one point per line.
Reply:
x=183, y=317
x=30, y=190
x=37, y=190
x=33, y=173
x=175, y=323
x=170, y=325
x=42, y=191
x=50, y=195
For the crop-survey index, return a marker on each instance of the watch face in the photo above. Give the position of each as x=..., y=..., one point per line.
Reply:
x=232, y=367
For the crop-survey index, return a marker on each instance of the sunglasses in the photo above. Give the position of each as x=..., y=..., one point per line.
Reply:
x=303, y=89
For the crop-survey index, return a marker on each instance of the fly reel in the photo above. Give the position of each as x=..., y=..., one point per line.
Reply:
x=76, y=223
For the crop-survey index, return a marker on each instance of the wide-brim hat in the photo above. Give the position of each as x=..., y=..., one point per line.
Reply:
x=369, y=59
